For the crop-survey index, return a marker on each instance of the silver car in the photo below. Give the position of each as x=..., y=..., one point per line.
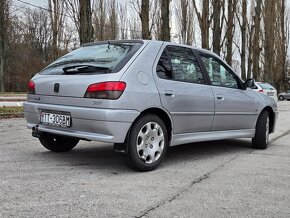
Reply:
x=284, y=95
x=144, y=96
x=266, y=89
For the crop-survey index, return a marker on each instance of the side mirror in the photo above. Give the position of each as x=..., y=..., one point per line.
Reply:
x=249, y=83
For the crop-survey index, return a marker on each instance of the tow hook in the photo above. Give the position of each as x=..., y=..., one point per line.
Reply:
x=35, y=132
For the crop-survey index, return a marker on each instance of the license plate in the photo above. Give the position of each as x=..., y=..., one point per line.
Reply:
x=55, y=119
x=270, y=93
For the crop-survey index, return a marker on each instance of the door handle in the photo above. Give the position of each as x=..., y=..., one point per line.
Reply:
x=169, y=93
x=220, y=98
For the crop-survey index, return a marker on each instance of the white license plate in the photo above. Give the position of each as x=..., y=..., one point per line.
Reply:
x=270, y=93
x=55, y=119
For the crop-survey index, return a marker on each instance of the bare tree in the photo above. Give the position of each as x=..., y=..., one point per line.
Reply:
x=269, y=28
x=86, y=28
x=244, y=37
x=204, y=22
x=72, y=9
x=56, y=9
x=99, y=19
x=4, y=15
x=112, y=23
x=165, y=19
x=144, y=16
x=217, y=25
x=283, y=45
x=123, y=20
x=185, y=21
x=280, y=46
x=230, y=30
x=257, y=38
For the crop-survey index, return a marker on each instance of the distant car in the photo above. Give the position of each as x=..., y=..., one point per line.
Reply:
x=284, y=95
x=144, y=96
x=267, y=89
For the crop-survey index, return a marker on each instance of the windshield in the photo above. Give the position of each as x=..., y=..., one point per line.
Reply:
x=266, y=86
x=101, y=56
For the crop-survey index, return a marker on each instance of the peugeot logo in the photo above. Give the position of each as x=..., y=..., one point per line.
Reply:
x=56, y=87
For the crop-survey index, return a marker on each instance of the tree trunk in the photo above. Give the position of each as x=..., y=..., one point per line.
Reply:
x=52, y=5
x=2, y=54
x=3, y=38
x=256, y=40
x=269, y=21
x=165, y=29
x=217, y=31
x=144, y=16
x=204, y=22
x=86, y=28
x=250, y=52
x=283, y=45
x=244, y=40
x=230, y=30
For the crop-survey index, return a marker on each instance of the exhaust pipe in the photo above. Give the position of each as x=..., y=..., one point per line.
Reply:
x=35, y=132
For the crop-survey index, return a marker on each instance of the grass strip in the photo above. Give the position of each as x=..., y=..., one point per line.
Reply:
x=11, y=112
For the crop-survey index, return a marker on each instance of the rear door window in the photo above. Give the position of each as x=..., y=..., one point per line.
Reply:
x=179, y=64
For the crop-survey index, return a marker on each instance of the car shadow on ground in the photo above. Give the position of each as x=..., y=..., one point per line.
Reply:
x=202, y=150
x=102, y=156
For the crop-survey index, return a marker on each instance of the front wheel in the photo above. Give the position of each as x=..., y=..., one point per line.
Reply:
x=57, y=143
x=281, y=98
x=261, y=138
x=147, y=143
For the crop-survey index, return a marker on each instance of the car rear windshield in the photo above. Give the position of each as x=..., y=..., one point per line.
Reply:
x=109, y=57
x=266, y=86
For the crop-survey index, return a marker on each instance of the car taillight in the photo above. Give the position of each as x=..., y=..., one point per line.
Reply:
x=105, y=90
x=261, y=90
x=31, y=87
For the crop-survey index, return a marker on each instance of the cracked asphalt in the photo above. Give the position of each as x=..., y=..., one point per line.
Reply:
x=211, y=179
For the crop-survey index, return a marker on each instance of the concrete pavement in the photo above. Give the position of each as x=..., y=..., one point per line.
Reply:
x=211, y=179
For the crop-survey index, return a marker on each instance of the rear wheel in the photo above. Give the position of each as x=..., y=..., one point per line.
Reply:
x=147, y=143
x=261, y=138
x=281, y=98
x=57, y=143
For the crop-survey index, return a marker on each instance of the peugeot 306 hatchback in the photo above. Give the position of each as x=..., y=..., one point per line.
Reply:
x=144, y=96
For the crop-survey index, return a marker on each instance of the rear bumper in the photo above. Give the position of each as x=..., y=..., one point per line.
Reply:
x=106, y=125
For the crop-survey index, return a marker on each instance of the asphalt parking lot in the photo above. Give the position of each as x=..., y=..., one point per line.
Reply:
x=212, y=179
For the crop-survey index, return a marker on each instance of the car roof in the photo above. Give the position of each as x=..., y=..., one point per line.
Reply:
x=161, y=43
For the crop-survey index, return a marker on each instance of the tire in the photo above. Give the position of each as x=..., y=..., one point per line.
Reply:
x=288, y=99
x=281, y=98
x=147, y=143
x=261, y=138
x=57, y=143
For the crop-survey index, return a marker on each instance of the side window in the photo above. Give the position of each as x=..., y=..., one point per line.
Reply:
x=183, y=63
x=164, y=67
x=218, y=74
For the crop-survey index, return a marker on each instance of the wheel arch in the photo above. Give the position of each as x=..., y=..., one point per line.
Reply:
x=271, y=117
x=166, y=118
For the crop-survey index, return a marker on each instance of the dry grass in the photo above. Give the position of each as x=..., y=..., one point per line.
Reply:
x=11, y=112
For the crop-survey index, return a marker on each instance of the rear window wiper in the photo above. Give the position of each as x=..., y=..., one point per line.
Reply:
x=85, y=68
